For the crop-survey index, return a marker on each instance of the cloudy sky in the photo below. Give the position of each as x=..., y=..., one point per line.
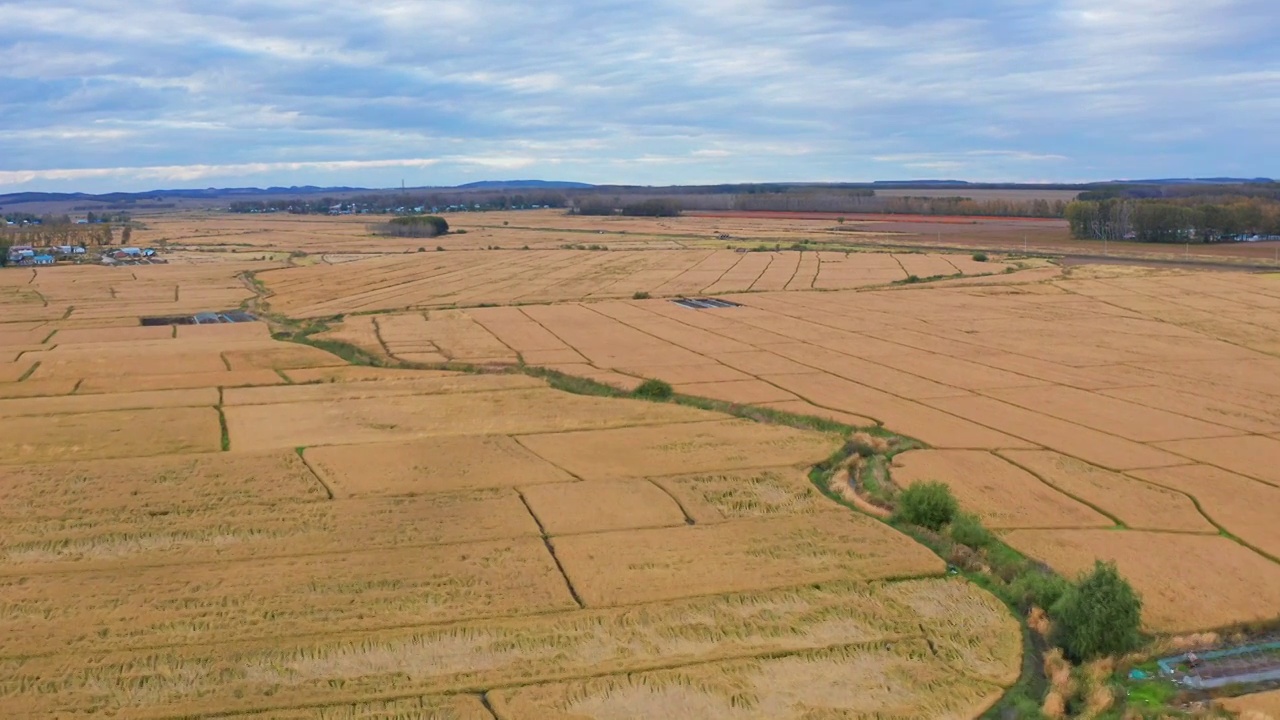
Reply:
x=129, y=95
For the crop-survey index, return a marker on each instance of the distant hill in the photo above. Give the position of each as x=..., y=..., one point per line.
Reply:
x=524, y=185
x=1195, y=181
x=194, y=197
x=151, y=196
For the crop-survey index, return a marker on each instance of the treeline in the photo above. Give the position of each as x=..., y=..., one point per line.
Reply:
x=47, y=235
x=654, y=207
x=413, y=226
x=1220, y=191
x=852, y=201
x=1175, y=220
x=968, y=207
x=400, y=203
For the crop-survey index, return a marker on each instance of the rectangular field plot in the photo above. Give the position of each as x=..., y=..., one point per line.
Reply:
x=719, y=496
x=1187, y=582
x=264, y=674
x=634, y=566
x=37, y=388
x=1091, y=445
x=860, y=681
x=154, y=486
x=237, y=601
x=122, y=433
x=445, y=707
x=1254, y=455
x=1137, y=504
x=1217, y=405
x=1245, y=507
x=280, y=356
x=1000, y=493
x=510, y=412
x=1110, y=415
x=673, y=449
x=430, y=466
x=355, y=390
x=207, y=397
x=178, y=381
x=359, y=373
x=581, y=507
x=226, y=532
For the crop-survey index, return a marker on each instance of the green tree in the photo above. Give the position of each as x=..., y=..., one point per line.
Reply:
x=1101, y=615
x=928, y=504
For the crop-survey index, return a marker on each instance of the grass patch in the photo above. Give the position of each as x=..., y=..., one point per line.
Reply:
x=222, y=424
x=27, y=373
x=654, y=390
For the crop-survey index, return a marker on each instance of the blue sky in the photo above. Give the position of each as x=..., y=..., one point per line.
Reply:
x=102, y=95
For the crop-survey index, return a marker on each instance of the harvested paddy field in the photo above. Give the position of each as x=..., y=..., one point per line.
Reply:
x=440, y=280
x=323, y=540
x=202, y=522
x=1085, y=383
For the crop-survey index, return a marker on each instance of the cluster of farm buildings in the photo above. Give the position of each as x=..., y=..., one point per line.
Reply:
x=29, y=255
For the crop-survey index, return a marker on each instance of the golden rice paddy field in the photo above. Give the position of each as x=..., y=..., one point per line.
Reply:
x=203, y=521
x=206, y=522
x=1100, y=397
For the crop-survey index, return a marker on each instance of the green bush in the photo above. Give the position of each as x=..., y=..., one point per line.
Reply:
x=912, y=279
x=967, y=529
x=1038, y=588
x=640, y=295
x=654, y=390
x=929, y=505
x=979, y=257
x=1100, y=615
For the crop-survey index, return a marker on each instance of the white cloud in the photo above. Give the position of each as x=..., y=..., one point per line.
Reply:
x=668, y=90
x=198, y=172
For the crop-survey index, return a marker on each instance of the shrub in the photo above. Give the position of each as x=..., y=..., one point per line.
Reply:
x=1099, y=616
x=1038, y=588
x=929, y=505
x=912, y=279
x=967, y=529
x=422, y=249
x=459, y=232
x=640, y=295
x=979, y=257
x=654, y=390
x=439, y=248
x=413, y=226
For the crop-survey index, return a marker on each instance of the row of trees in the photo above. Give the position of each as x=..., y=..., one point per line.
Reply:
x=653, y=207
x=1174, y=221
x=62, y=234
x=406, y=202
x=968, y=207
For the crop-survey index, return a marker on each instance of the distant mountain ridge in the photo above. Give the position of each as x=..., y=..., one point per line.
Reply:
x=156, y=196
x=523, y=185
x=274, y=191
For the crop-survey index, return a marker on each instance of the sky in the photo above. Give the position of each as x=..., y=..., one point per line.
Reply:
x=107, y=95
